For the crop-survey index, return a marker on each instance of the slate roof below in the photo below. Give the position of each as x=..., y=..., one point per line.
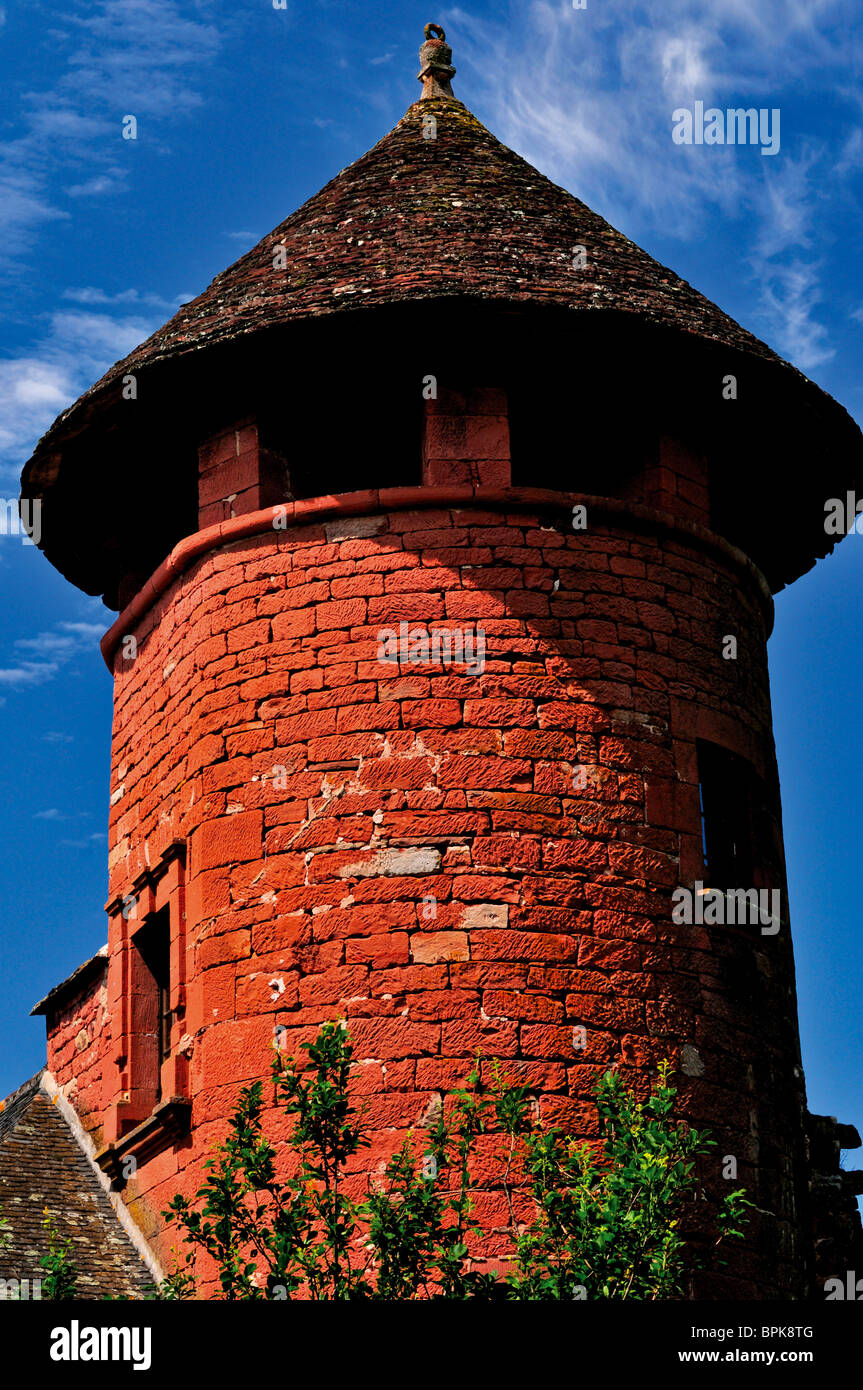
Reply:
x=42, y=1166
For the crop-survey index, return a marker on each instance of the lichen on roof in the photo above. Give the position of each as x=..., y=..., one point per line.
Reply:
x=43, y=1169
x=415, y=218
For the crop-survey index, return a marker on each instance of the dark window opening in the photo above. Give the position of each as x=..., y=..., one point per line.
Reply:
x=365, y=433
x=569, y=433
x=153, y=944
x=729, y=795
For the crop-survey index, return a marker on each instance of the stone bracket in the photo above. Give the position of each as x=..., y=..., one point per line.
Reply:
x=170, y=1121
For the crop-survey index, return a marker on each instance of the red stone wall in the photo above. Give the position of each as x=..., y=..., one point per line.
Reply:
x=466, y=437
x=677, y=482
x=79, y=1039
x=325, y=798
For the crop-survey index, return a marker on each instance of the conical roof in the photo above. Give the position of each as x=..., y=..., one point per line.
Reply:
x=438, y=210
x=457, y=215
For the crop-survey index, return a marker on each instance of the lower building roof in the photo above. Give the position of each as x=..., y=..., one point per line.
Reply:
x=45, y=1170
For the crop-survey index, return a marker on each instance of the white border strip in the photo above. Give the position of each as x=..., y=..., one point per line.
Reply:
x=49, y=1087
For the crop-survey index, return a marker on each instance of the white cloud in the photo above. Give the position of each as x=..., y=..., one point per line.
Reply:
x=32, y=392
x=146, y=57
x=851, y=157
x=24, y=206
x=790, y=282
x=684, y=69
x=58, y=817
x=62, y=640
x=55, y=124
x=48, y=644
x=790, y=298
x=28, y=673
x=36, y=385
x=145, y=65
x=89, y=294
x=79, y=346
x=83, y=630
x=99, y=335
x=587, y=96
x=143, y=57
x=114, y=182
x=589, y=103
x=52, y=649
x=786, y=205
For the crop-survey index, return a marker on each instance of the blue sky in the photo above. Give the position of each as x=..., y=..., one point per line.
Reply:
x=241, y=117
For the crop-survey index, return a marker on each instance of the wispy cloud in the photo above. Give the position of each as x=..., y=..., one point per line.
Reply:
x=62, y=640
x=115, y=181
x=55, y=816
x=44, y=654
x=148, y=63
x=790, y=298
x=588, y=95
x=89, y=294
x=27, y=673
x=786, y=266
x=35, y=386
x=24, y=206
x=141, y=57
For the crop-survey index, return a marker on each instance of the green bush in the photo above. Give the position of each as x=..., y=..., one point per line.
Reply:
x=602, y=1225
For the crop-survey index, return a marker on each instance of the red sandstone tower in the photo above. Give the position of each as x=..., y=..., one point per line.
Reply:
x=442, y=397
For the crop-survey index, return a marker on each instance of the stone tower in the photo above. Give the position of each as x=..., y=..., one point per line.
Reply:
x=444, y=527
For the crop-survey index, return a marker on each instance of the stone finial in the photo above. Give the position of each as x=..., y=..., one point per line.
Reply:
x=436, y=67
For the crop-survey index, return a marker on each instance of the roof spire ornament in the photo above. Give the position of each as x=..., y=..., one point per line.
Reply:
x=436, y=67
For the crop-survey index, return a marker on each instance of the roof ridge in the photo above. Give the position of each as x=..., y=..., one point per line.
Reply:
x=14, y=1107
x=31, y=1084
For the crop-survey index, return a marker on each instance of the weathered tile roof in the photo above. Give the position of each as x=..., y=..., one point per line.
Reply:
x=460, y=215
x=42, y=1166
x=464, y=226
